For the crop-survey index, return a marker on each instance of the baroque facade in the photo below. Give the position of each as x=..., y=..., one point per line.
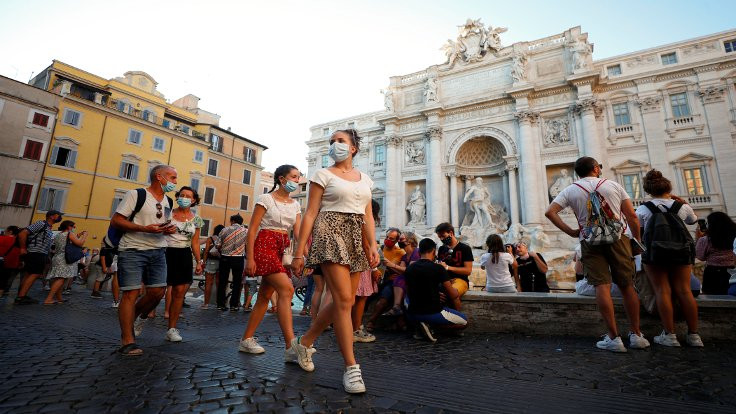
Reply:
x=518, y=116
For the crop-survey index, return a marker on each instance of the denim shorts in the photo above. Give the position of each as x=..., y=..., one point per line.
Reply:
x=141, y=266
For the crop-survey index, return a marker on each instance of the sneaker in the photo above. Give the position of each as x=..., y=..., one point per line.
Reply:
x=138, y=326
x=172, y=335
x=115, y=304
x=693, y=339
x=614, y=345
x=426, y=332
x=638, y=341
x=361, y=335
x=352, y=380
x=95, y=295
x=395, y=311
x=235, y=309
x=250, y=346
x=666, y=339
x=290, y=356
x=303, y=354
x=221, y=308
x=67, y=292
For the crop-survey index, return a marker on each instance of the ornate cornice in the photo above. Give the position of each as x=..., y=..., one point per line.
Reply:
x=527, y=116
x=649, y=103
x=712, y=94
x=393, y=141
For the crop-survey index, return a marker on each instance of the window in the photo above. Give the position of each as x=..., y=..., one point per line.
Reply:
x=166, y=123
x=134, y=137
x=115, y=203
x=216, y=143
x=249, y=155
x=244, y=202
x=325, y=161
x=40, y=119
x=146, y=114
x=680, y=107
x=246, y=176
x=63, y=157
x=669, y=58
x=33, y=150
x=185, y=129
x=209, y=195
x=205, y=229
x=265, y=190
x=621, y=114
x=380, y=154
x=158, y=144
x=730, y=45
x=632, y=184
x=120, y=106
x=72, y=117
x=194, y=183
x=212, y=167
x=694, y=181
x=199, y=156
x=51, y=199
x=304, y=187
x=325, y=132
x=128, y=171
x=614, y=70
x=22, y=194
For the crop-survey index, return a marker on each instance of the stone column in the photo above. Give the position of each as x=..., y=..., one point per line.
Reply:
x=716, y=116
x=393, y=181
x=453, y=200
x=530, y=162
x=434, y=177
x=513, y=194
x=590, y=110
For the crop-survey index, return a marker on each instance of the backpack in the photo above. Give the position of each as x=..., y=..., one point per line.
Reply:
x=602, y=226
x=113, y=236
x=667, y=240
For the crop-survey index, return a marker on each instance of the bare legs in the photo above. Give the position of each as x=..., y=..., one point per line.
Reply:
x=605, y=307
x=280, y=284
x=26, y=283
x=175, y=300
x=209, y=278
x=665, y=281
x=357, y=311
x=55, y=292
x=130, y=309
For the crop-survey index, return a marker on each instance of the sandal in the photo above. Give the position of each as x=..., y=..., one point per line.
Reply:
x=130, y=350
x=273, y=309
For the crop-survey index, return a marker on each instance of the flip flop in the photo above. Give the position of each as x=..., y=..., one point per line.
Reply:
x=130, y=350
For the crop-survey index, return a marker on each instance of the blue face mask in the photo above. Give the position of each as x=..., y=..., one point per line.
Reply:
x=184, y=202
x=290, y=186
x=339, y=151
x=169, y=187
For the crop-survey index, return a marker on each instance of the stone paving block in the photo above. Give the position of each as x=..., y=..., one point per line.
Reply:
x=243, y=409
x=205, y=407
x=213, y=396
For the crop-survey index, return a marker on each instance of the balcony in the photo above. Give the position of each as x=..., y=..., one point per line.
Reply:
x=617, y=132
x=693, y=121
x=704, y=200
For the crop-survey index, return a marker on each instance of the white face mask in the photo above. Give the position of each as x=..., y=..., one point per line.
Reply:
x=339, y=151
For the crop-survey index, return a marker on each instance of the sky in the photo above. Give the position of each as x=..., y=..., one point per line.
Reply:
x=272, y=69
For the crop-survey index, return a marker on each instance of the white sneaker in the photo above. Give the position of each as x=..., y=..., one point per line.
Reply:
x=250, y=346
x=424, y=329
x=303, y=355
x=138, y=326
x=115, y=304
x=361, y=335
x=638, y=341
x=290, y=356
x=172, y=335
x=352, y=380
x=694, y=340
x=614, y=345
x=666, y=339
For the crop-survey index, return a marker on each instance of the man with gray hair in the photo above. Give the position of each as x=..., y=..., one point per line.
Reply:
x=142, y=252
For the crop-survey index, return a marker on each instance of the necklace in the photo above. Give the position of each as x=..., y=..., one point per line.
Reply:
x=346, y=171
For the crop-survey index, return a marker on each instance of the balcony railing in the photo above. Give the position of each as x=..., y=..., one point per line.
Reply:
x=701, y=200
x=693, y=121
x=623, y=129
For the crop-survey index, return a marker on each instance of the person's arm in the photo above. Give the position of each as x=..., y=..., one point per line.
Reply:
x=195, y=250
x=541, y=265
x=207, y=247
x=22, y=241
x=314, y=201
x=103, y=263
x=465, y=270
x=369, y=232
x=298, y=227
x=515, y=273
x=553, y=214
x=701, y=249
x=627, y=209
x=78, y=241
x=121, y=222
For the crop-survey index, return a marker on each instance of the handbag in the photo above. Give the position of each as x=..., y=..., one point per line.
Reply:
x=72, y=252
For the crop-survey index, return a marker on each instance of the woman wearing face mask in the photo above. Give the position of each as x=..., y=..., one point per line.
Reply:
x=61, y=271
x=339, y=217
x=182, y=244
x=274, y=216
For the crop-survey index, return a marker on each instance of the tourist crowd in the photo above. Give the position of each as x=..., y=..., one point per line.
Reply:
x=153, y=251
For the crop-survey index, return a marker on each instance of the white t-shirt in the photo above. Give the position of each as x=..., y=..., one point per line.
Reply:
x=577, y=199
x=278, y=216
x=498, y=274
x=135, y=240
x=686, y=212
x=184, y=232
x=342, y=195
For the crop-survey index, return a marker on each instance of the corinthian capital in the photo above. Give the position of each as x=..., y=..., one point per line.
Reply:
x=393, y=140
x=527, y=116
x=589, y=105
x=433, y=133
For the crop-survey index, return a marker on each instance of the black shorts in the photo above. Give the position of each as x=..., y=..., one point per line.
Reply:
x=179, y=266
x=35, y=263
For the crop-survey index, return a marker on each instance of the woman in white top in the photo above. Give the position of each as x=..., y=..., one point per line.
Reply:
x=667, y=279
x=274, y=216
x=339, y=217
x=496, y=264
x=181, y=245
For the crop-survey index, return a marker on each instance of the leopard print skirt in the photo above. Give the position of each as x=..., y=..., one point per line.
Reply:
x=338, y=238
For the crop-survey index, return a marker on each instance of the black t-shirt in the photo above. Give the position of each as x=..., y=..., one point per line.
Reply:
x=456, y=257
x=423, y=283
x=531, y=278
x=108, y=254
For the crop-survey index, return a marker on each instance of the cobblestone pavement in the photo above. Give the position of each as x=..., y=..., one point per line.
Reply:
x=61, y=359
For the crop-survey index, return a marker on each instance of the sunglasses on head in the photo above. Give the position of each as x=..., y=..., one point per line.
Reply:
x=160, y=212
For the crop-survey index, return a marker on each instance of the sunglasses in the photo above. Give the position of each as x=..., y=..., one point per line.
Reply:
x=160, y=212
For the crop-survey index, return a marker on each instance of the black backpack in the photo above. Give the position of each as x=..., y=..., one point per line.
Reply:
x=666, y=239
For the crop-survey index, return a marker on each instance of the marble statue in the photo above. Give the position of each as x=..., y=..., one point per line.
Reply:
x=482, y=218
x=417, y=207
x=563, y=181
x=473, y=42
x=533, y=236
x=493, y=40
x=556, y=132
x=581, y=51
x=415, y=152
x=518, y=67
x=388, y=99
x=430, y=90
x=479, y=203
x=452, y=51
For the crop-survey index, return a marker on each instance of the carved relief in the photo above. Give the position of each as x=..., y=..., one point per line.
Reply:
x=433, y=133
x=393, y=140
x=519, y=67
x=556, y=132
x=581, y=53
x=415, y=153
x=649, y=103
x=644, y=60
x=527, y=116
x=474, y=41
x=700, y=48
x=430, y=90
x=712, y=94
x=388, y=99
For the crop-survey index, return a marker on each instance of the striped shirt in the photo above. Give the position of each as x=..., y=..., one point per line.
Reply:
x=232, y=240
x=39, y=238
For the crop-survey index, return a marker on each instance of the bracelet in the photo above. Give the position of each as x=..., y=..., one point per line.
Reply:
x=297, y=257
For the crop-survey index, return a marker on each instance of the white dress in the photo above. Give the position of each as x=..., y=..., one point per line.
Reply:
x=59, y=266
